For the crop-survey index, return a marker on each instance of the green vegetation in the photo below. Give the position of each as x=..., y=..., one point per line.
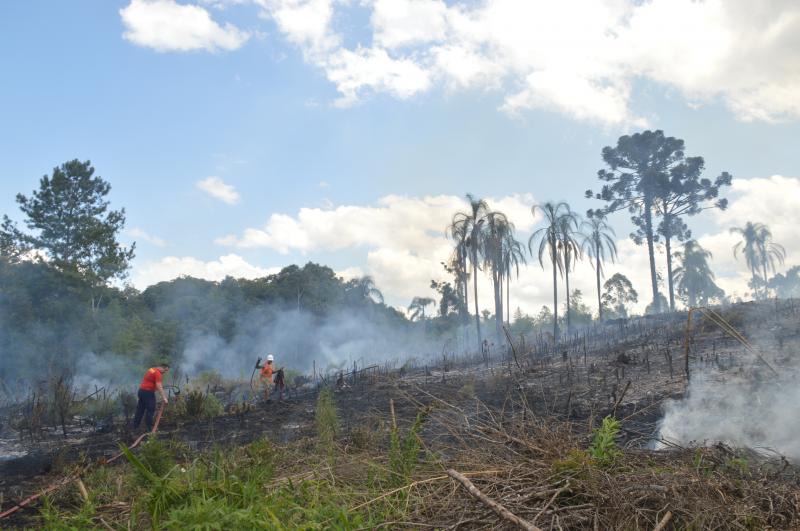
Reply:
x=604, y=448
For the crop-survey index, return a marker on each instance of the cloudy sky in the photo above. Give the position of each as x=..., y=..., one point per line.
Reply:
x=244, y=135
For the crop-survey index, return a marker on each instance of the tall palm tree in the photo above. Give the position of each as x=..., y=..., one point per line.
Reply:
x=459, y=267
x=513, y=256
x=498, y=229
x=694, y=278
x=548, y=238
x=570, y=248
x=417, y=307
x=599, y=245
x=366, y=289
x=471, y=223
x=758, y=249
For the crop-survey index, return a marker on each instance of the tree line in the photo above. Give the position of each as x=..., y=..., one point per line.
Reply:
x=646, y=174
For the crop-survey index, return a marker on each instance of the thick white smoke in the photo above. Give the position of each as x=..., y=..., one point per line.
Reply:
x=743, y=406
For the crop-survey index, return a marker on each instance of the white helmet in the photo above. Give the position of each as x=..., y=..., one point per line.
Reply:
x=270, y=358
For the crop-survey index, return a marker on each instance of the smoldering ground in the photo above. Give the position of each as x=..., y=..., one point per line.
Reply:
x=743, y=406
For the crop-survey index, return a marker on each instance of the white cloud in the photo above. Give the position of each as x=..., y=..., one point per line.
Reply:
x=141, y=235
x=217, y=188
x=170, y=267
x=572, y=56
x=403, y=244
x=166, y=25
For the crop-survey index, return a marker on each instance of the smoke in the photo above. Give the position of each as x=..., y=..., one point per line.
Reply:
x=301, y=341
x=742, y=406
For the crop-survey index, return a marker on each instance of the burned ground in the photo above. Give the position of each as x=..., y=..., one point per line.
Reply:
x=518, y=426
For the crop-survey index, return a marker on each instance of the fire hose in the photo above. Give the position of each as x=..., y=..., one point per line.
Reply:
x=72, y=477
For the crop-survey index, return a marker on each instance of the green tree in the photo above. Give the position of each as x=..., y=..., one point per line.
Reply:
x=71, y=224
x=417, y=307
x=548, y=238
x=471, y=224
x=759, y=251
x=694, y=276
x=638, y=166
x=788, y=285
x=617, y=293
x=684, y=192
x=581, y=314
x=598, y=243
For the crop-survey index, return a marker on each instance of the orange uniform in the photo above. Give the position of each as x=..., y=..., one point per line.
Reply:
x=152, y=377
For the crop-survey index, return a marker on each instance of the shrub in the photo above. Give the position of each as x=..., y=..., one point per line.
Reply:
x=604, y=448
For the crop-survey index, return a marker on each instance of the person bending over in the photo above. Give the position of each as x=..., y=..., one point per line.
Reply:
x=147, y=395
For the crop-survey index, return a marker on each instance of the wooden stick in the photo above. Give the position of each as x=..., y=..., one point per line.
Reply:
x=493, y=505
x=664, y=521
x=82, y=489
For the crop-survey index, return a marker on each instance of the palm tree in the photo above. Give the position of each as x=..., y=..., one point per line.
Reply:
x=513, y=256
x=548, y=237
x=598, y=242
x=758, y=249
x=570, y=248
x=417, y=307
x=471, y=223
x=694, y=277
x=458, y=266
x=366, y=289
x=497, y=231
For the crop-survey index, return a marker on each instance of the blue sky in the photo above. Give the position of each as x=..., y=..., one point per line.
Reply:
x=242, y=91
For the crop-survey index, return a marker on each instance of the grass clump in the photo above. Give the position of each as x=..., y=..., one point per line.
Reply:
x=326, y=420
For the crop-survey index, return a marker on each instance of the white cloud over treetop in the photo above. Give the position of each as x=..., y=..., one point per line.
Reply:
x=577, y=57
x=166, y=25
x=404, y=241
x=171, y=267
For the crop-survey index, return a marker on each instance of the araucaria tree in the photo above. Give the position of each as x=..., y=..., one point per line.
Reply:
x=548, y=242
x=70, y=223
x=694, y=277
x=471, y=224
x=684, y=192
x=637, y=168
x=759, y=251
x=598, y=243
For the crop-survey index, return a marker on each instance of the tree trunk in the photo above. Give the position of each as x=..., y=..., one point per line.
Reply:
x=599, y=300
x=648, y=222
x=764, y=267
x=569, y=322
x=475, y=293
x=465, y=309
x=555, y=294
x=508, y=300
x=667, y=245
x=498, y=304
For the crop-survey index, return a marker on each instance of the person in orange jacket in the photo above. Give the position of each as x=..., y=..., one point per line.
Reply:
x=146, y=407
x=266, y=375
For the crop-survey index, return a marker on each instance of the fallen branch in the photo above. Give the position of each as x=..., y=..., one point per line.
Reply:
x=664, y=521
x=493, y=505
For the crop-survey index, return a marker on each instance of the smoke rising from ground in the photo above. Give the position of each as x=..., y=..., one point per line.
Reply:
x=300, y=341
x=743, y=406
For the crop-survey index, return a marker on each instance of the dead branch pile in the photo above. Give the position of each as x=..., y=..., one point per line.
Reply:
x=537, y=470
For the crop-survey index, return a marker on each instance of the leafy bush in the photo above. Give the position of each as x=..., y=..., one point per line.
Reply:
x=604, y=448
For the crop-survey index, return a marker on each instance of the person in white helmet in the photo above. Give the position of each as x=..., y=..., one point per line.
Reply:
x=266, y=374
